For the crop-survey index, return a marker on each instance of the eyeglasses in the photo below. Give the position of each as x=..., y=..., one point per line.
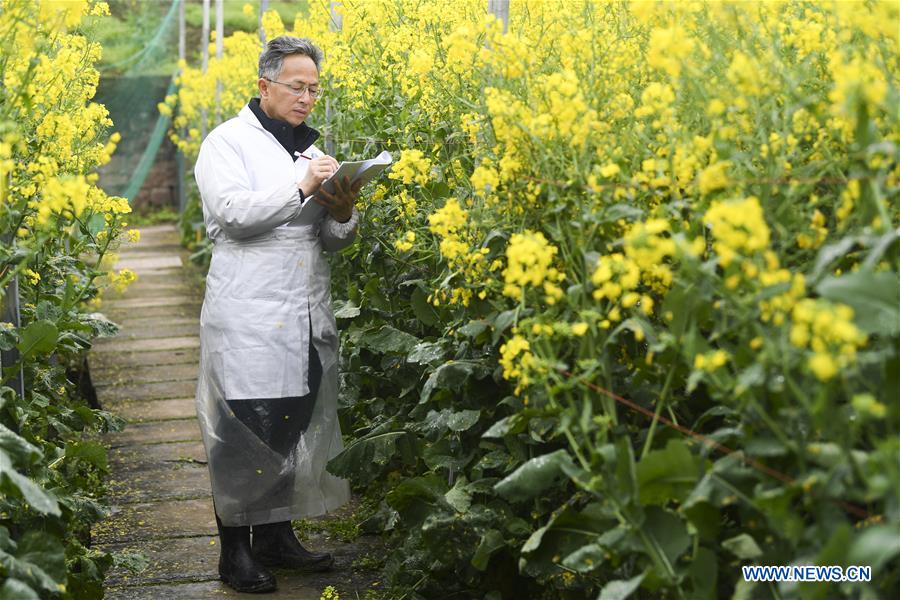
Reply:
x=314, y=92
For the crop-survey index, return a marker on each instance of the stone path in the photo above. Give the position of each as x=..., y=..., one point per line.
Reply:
x=159, y=484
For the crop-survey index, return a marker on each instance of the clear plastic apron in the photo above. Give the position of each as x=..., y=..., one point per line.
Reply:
x=268, y=386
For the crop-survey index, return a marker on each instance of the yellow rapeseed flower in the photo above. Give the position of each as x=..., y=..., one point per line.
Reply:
x=517, y=361
x=529, y=259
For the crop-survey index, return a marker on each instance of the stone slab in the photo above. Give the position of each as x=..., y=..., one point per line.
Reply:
x=184, y=309
x=181, y=327
x=114, y=376
x=151, y=286
x=150, y=263
x=154, y=410
x=153, y=289
x=147, y=345
x=195, y=561
x=144, y=302
x=155, y=520
x=153, y=245
x=140, y=457
x=209, y=589
x=124, y=360
x=150, y=245
x=169, y=275
x=162, y=276
x=181, y=430
x=166, y=482
x=160, y=228
x=139, y=321
x=157, y=239
x=183, y=560
x=152, y=391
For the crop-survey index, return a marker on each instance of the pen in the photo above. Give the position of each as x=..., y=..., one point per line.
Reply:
x=305, y=156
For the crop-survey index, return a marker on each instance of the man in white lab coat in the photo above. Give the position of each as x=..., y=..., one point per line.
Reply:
x=267, y=389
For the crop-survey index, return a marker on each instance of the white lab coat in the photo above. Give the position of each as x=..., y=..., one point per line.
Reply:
x=268, y=296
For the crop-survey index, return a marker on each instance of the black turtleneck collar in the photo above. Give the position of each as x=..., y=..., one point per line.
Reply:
x=293, y=139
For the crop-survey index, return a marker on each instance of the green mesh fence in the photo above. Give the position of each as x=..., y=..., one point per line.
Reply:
x=130, y=88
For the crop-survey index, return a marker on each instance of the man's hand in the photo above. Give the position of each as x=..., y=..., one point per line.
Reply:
x=340, y=204
x=320, y=169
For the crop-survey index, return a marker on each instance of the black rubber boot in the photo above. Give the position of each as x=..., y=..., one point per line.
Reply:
x=275, y=545
x=237, y=567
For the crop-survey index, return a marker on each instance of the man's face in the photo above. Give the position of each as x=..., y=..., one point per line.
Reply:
x=279, y=101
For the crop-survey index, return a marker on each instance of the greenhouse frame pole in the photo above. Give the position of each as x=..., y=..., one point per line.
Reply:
x=263, y=7
x=500, y=9
x=337, y=20
x=179, y=155
x=335, y=25
x=181, y=30
x=204, y=53
x=11, y=315
x=220, y=33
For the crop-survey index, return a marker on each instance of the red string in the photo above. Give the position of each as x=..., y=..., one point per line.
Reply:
x=786, y=479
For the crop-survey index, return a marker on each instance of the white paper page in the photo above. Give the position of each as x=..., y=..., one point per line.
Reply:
x=382, y=159
x=362, y=170
x=369, y=169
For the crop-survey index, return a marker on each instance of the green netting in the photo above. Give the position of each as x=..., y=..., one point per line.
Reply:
x=132, y=86
x=149, y=155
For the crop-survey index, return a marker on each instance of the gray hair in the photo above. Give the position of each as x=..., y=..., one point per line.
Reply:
x=271, y=60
